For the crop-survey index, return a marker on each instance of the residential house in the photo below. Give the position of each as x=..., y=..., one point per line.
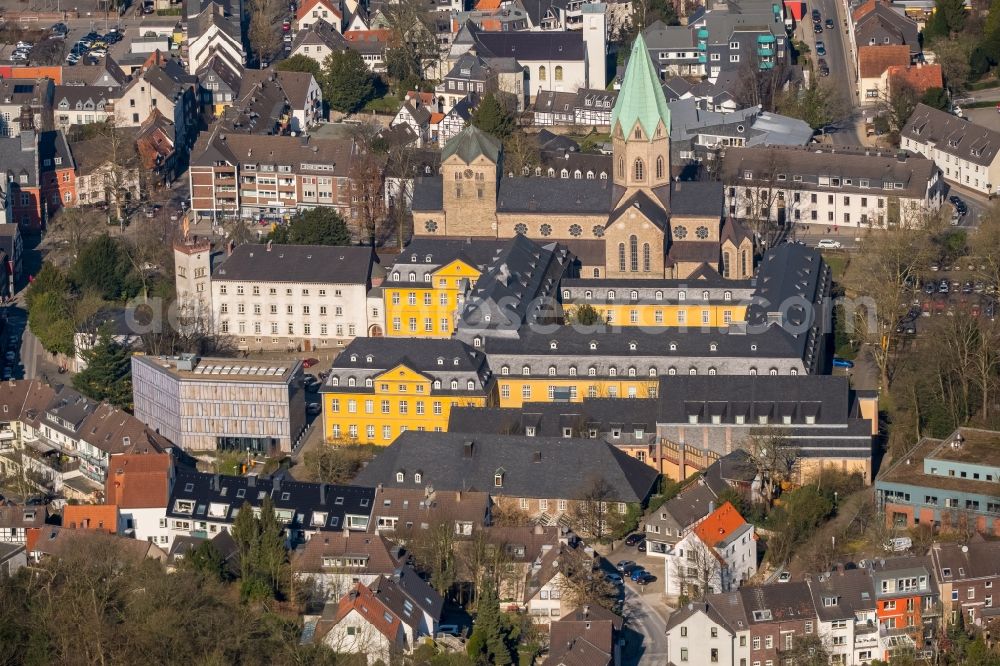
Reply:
x=214, y=29
x=919, y=78
x=778, y=616
x=698, y=632
x=83, y=105
x=846, y=617
x=223, y=544
x=25, y=103
x=371, y=44
x=965, y=153
x=880, y=23
x=108, y=170
x=908, y=605
x=415, y=113
x=276, y=102
x=517, y=470
x=589, y=634
x=948, y=484
x=215, y=403
x=334, y=564
x=55, y=541
x=168, y=89
x=669, y=524
x=57, y=172
x=312, y=296
x=99, y=517
x=593, y=106
x=206, y=504
x=157, y=153
x=219, y=84
x=311, y=12
x=718, y=554
x=318, y=41
x=23, y=201
x=873, y=61
x=361, y=623
x=554, y=108
x=455, y=120
x=106, y=73
x=17, y=522
x=839, y=188
x=278, y=175
x=404, y=512
x=542, y=591
x=966, y=575
x=140, y=486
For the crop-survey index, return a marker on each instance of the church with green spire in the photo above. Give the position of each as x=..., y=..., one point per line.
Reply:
x=640, y=223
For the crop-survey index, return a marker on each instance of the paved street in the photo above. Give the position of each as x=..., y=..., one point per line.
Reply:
x=644, y=618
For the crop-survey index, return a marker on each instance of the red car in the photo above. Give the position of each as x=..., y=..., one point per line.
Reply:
x=309, y=362
x=286, y=26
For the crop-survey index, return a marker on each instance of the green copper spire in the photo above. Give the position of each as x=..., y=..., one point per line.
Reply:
x=641, y=97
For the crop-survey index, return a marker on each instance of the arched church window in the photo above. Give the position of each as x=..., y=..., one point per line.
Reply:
x=659, y=167
x=541, y=73
x=639, y=169
x=559, y=71
x=621, y=167
x=633, y=247
x=743, y=263
x=638, y=132
x=645, y=257
x=621, y=257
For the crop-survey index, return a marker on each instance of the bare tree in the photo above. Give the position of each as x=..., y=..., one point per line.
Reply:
x=520, y=154
x=759, y=199
x=367, y=183
x=433, y=549
x=592, y=515
x=262, y=32
x=121, y=171
x=582, y=581
x=75, y=226
x=699, y=571
x=773, y=456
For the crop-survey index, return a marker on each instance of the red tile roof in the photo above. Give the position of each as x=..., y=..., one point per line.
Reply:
x=306, y=7
x=863, y=10
x=486, y=5
x=720, y=524
x=91, y=517
x=919, y=77
x=364, y=601
x=139, y=481
x=874, y=60
x=368, y=35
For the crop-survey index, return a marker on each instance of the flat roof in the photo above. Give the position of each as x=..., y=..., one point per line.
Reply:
x=225, y=369
x=909, y=469
x=977, y=446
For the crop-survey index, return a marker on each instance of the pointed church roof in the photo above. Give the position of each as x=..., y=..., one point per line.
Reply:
x=470, y=143
x=641, y=98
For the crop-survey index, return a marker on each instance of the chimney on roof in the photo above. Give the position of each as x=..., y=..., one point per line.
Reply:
x=537, y=457
x=467, y=450
x=711, y=506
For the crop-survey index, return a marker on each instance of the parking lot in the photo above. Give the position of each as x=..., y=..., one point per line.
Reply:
x=953, y=287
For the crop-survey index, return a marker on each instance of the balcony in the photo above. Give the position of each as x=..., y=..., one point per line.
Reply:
x=702, y=58
x=767, y=65
x=702, y=45
x=765, y=51
x=765, y=39
x=702, y=33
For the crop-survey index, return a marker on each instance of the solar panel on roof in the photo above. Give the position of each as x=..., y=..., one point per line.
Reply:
x=23, y=88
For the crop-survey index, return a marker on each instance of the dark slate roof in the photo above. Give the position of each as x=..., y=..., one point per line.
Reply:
x=825, y=397
x=51, y=145
x=549, y=418
x=422, y=355
x=18, y=162
x=427, y=194
x=852, y=591
x=695, y=607
x=320, y=264
x=952, y=135
x=691, y=504
x=976, y=559
x=787, y=602
x=320, y=32
x=405, y=584
x=651, y=209
x=790, y=276
x=554, y=195
x=772, y=342
x=735, y=466
x=553, y=468
x=229, y=493
x=701, y=198
x=435, y=252
x=706, y=252
x=553, y=45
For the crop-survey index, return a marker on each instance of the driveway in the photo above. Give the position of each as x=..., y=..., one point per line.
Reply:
x=646, y=635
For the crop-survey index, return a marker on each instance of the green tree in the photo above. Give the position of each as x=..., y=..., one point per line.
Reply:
x=206, y=559
x=348, y=84
x=315, y=226
x=49, y=279
x=271, y=554
x=936, y=97
x=261, y=547
x=103, y=266
x=586, y=315
x=51, y=322
x=488, y=642
x=108, y=375
x=301, y=63
x=801, y=511
x=953, y=56
x=493, y=116
x=819, y=104
x=947, y=21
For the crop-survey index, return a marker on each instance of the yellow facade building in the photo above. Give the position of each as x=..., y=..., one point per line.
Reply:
x=379, y=388
x=703, y=300
x=427, y=286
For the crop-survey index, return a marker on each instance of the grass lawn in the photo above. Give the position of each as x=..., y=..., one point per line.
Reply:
x=838, y=264
x=387, y=104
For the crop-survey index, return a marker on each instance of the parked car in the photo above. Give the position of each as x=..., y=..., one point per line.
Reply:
x=286, y=26
x=829, y=24
x=309, y=362
x=645, y=579
x=625, y=565
x=636, y=573
x=817, y=28
x=943, y=287
x=824, y=71
x=634, y=539
x=613, y=578
x=820, y=48
x=313, y=408
x=816, y=16
x=829, y=244
x=842, y=362
x=784, y=577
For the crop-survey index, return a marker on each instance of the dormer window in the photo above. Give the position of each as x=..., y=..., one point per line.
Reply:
x=498, y=478
x=611, y=294
x=529, y=431
x=593, y=345
x=525, y=370
x=399, y=477
x=418, y=477
x=553, y=345
x=713, y=347
x=673, y=346
x=632, y=346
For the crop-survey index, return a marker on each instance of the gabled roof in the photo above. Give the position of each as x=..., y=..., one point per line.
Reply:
x=367, y=604
x=103, y=517
x=838, y=595
x=550, y=45
x=139, y=481
x=404, y=585
x=320, y=33
x=54, y=541
x=316, y=264
x=650, y=209
x=919, y=77
x=307, y=6
x=380, y=556
x=22, y=516
x=528, y=466
x=471, y=143
x=953, y=135
x=641, y=99
x=874, y=60
x=784, y=602
x=720, y=526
